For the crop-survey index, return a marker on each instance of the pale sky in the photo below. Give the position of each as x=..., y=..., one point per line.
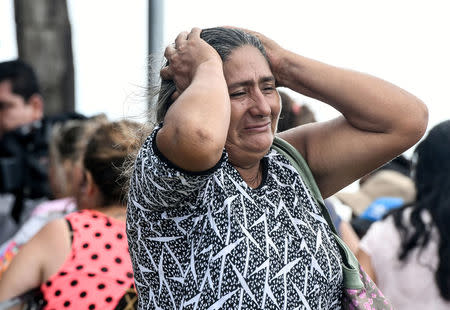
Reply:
x=404, y=42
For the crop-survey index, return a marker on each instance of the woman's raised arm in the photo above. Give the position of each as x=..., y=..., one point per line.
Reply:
x=196, y=124
x=379, y=122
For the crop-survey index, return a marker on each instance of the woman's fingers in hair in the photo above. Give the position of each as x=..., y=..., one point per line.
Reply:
x=184, y=57
x=170, y=50
x=180, y=39
x=166, y=73
x=195, y=33
x=175, y=95
x=185, y=36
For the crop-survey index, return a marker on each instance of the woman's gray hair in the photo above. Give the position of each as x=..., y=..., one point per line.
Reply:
x=224, y=41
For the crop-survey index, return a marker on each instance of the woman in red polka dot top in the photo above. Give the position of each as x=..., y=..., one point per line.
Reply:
x=82, y=260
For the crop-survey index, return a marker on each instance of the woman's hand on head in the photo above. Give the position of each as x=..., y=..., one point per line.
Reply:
x=184, y=58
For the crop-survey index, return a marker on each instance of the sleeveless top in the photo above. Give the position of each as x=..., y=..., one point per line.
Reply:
x=97, y=271
x=41, y=215
x=209, y=241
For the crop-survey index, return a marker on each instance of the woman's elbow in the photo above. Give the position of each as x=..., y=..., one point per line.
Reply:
x=206, y=148
x=194, y=148
x=416, y=122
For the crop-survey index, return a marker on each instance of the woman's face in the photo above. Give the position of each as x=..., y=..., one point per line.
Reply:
x=255, y=103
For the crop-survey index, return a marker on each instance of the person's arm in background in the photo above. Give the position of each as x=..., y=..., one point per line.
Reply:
x=343, y=227
x=379, y=120
x=378, y=249
x=349, y=236
x=366, y=264
x=28, y=270
x=196, y=124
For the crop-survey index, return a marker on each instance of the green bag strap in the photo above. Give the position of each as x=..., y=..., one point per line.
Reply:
x=302, y=168
x=351, y=264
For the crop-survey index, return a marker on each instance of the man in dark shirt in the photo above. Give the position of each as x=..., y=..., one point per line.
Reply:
x=24, y=137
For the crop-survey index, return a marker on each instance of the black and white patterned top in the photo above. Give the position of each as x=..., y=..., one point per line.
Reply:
x=209, y=241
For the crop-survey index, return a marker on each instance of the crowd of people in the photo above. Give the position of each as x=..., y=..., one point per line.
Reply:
x=197, y=210
x=71, y=251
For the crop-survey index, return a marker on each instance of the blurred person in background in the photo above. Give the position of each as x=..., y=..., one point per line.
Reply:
x=292, y=113
x=82, y=260
x=67, y=145
x=380, y=191
x=24, y=135
x=408, y=253
x=21, y=102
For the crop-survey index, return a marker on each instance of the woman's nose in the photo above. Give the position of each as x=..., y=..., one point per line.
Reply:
x=260, y=104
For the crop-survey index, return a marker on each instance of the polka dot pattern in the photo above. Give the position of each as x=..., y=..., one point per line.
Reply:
x=98, y=271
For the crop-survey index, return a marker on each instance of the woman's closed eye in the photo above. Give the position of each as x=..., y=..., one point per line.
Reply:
x=237, y=94
x=269, y=89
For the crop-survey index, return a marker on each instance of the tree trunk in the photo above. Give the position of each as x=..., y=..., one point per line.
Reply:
x=44, y=40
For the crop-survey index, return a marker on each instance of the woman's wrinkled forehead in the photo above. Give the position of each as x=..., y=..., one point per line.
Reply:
x=245, y=64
